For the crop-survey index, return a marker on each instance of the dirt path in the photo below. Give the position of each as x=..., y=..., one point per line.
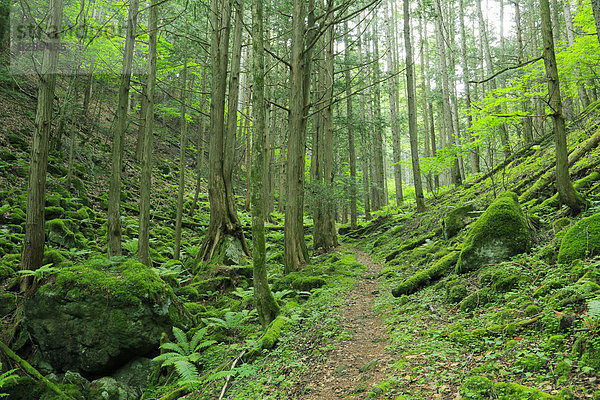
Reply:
x=359, y=363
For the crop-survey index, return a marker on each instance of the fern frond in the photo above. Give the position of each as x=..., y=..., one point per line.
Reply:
x=186, y=370
x=197, y=338
x=174, y=347
x=182, y=339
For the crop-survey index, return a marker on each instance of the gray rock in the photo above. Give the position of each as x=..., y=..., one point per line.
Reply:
x=108, y=388
x=93, y=320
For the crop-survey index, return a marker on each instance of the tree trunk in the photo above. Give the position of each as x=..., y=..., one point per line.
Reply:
x=33, y=245
x=441, y=46
x=596, y=11
x=412, y=111
x=4, y=34
x=139, y=146
x=490, y=69
x=199, y=148
x=265, y=303
x=295, y=251
x=113, y=231
x=146, y=178
x=565, y=189
x=364, y=144
x=182, y=147
x=474, y=157
x=324, y=232
x=378, y=180
x=525, y=104
x=392, y=64
x=350, y=129
x=223, y=215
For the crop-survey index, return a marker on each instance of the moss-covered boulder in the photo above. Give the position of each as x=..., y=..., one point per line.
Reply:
x=60, y=233
x=457, y=218
x=94, y=318
x=500, y=233
x=581, y=241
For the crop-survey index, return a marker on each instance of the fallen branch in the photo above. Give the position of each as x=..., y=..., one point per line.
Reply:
x=33, y=372
x=225, y=386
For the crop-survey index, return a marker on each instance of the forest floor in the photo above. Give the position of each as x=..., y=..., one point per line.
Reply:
x=360, y=362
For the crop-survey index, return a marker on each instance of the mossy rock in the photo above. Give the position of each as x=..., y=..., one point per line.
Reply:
x=307, y=283
x=439, y=269
x=456, y=290
x=581, y=241
x=6, y=155
x=54, y=257
x=457, y=218
x=17, y=216
x=53, y=212
x=500, y=233
x=53, y=200
x=8, y=302
x=94, y=317
x=59, y=233
x=515, y=391
x=475, y=300
x=476, y=387
x=18, y=141
x=189, y=292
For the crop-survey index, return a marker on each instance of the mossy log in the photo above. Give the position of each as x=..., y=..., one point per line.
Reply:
x=580, y=184
x=33, y=372
x=549, y=176
x=411, y=244
x=423, y=278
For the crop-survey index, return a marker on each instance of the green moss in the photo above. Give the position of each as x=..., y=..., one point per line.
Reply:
x=53, y=257
x=127, y=281
x=84, y=213
x=189, y=292
x=456, y=290
x=59, y=233
x=17, y=216
x=53, y=200
x=550, y=286
x=307, y=283
x=555, y=342
x=456, y=219
x=273, y=332
x=6, y=155
x=581, y=241
x=53, y=212
x=8, y=302
x=501, y=232
x=515, y=391
x=477, y=299
x=194, y=308
x=532, y=310
x=423, y=278
x=476, y=387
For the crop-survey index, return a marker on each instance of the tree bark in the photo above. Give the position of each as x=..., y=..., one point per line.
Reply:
x=4, y=34
x=146, y=177
x=392, y=64
x=350, y=129
x=412, y=111
x=596, y=12
x=33, y=245
x=223, y=215
x=182, y=147
x=378, y=199
x=295, y=251
x=265, y=303
x=565, y=189
x=455, y=172
x=113, y=231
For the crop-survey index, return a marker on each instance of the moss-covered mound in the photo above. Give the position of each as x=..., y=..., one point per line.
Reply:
x=500, y=233
x=436, y=271
x=95, y=317
x=581, y=241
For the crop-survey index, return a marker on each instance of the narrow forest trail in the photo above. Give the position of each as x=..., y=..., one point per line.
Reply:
x=361, y=361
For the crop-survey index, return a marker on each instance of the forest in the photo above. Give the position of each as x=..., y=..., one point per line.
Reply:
x=299, y=199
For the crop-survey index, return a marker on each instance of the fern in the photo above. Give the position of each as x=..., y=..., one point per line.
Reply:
x=183, y=355
x=594, y=307
x=5, y=378
x=40, y=273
